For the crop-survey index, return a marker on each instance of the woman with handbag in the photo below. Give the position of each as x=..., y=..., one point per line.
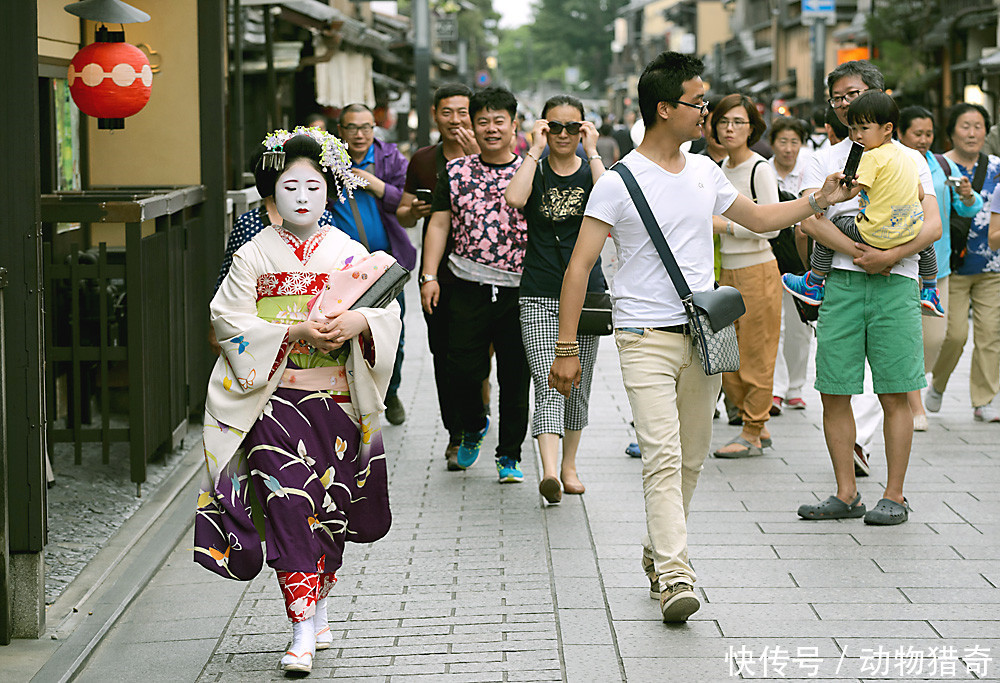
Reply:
x=916, y=130
x=748, y=264
x=291, y=418
x=553, y=193
x=975, y=275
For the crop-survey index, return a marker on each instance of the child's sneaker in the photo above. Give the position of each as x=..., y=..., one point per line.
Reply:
x=804, y=287
x=930, y=302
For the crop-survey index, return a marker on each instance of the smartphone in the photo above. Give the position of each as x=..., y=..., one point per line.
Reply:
x=853, y=159
x=424, y=195
x=953, y=181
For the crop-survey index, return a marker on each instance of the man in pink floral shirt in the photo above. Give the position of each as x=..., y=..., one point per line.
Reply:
x=483, y=310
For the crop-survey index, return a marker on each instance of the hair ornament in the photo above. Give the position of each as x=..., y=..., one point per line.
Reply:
x=334, y=158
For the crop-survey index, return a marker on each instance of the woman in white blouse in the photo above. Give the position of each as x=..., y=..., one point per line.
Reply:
x=788, y=136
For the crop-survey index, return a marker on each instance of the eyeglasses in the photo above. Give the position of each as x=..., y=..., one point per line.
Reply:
x=703, y=106
x=846, y=98
x=725, y=123
x=350, y=128
x=571, y=127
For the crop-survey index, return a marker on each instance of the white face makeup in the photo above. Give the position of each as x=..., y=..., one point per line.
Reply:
x=300, y=196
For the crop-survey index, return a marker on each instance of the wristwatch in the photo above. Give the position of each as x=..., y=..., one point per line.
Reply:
x=425, y=278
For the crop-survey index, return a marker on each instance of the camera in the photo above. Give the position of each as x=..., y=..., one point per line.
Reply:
x=953, y=181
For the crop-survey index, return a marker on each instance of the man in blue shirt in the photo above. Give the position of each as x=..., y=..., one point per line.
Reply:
x=370, y=217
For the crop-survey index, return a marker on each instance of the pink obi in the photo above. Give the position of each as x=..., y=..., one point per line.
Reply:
x=344, y=287
x=330, y=378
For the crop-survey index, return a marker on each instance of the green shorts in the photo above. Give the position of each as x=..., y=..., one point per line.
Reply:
x=874, y=317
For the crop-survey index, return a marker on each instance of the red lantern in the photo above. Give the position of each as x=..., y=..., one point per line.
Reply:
x=110, y=81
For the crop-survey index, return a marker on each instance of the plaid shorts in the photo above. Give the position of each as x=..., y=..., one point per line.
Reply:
x=554, y=413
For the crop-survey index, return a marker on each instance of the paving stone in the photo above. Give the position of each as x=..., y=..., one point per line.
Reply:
x=478, y=582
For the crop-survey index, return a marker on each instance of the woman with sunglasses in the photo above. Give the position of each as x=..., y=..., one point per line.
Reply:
x=748, y=264
x=553, y=192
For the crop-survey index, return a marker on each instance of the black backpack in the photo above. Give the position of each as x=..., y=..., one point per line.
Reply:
x=783, y=246
x=960, y=225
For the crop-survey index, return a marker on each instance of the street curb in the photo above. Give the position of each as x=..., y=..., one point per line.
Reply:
x=129, y=561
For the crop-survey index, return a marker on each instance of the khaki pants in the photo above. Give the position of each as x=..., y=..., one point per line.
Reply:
x=672, y=401
x=935, y=328
x=758, y=330
x=982, y=293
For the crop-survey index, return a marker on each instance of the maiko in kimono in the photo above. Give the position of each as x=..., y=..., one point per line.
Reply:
x=291, y=419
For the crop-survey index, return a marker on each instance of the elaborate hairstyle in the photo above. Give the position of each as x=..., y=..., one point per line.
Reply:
x=907, y=115
x=868, y=72
x=493, y=99
x=783, y=123
x=560, y=100
x=662, y=80
x=730, y=102
x=325, y=152
x=451, y=90
x=874, y=106
x=965, y=108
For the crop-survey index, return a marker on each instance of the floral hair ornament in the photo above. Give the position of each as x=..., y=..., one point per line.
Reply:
x=333, y=156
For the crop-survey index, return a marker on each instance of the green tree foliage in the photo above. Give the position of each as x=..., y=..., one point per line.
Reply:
x=898, y=29
x=564, y=33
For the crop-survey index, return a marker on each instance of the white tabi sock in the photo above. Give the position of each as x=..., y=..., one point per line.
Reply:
x=303, y=643
x=324, y=638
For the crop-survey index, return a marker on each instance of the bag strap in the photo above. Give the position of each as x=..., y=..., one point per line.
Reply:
x=980, y=177
x=753, y=172
x=943, y=163
x=653, y=228
x=358, y=223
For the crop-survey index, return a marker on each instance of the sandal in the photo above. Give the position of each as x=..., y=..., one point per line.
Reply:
x=748, y=450
x=888, y=512
x=550, y=490
x=298, y=663
x=833, y=508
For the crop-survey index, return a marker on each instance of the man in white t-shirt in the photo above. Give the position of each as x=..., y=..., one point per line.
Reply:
x=875, y=318
x=672, y=398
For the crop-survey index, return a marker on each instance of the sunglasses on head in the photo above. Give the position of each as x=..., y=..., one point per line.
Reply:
x=572, y=127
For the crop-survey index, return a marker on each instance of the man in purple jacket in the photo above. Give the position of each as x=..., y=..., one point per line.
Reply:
x=370, y=217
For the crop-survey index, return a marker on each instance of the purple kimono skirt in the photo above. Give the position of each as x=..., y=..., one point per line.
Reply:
x=320, y=478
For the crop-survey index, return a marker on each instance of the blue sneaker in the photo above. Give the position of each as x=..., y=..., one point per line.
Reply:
x=509, y=470
x=930, y=302
x=804, y=287
x=468, y=450
x=632, y=450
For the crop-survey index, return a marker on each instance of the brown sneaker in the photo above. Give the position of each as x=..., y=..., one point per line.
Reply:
x=650, y=570
x=678, y=602
x=451, y=455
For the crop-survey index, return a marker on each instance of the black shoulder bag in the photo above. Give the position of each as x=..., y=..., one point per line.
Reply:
x=595, y=316
x=960, y=225
x=783, y=246
x=710, y=314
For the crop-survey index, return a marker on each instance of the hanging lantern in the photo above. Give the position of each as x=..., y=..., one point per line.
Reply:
x=109, y=79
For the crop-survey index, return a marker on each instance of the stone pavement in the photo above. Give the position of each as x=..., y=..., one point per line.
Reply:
x=478, y=582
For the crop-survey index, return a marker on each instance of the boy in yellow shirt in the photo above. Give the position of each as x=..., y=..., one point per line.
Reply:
x=890, y=203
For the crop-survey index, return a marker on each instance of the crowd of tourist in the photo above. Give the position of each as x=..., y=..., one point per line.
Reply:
x=888, y=261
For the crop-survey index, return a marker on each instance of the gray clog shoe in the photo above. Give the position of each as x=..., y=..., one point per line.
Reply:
x=833, y=508
x=888, y=512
